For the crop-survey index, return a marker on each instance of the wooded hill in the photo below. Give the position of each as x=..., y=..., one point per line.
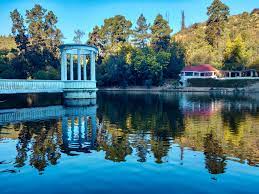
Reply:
x=198, y=51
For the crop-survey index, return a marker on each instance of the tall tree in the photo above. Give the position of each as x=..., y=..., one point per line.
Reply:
x=19, y=31
x=41, y=37
x=94, y=38
x=218, y=14
x=177, y=60
x=79, y=34
x=116, y=29
x=160, y=36
x=35, y=21
x=183, y=21
x=140, y=33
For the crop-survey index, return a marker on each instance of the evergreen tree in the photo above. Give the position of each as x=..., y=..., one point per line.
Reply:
x=78, y=36
x=183, y=21
x=177, y=60
x=116, y=29
x=39, y=42
x=140, y=34
x=218, y=14
x=160, y=36
x=19, y=31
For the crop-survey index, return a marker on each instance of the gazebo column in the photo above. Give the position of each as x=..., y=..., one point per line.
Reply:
x=92, y=66
x=63, y=65
x=71, y=67
x=78, y=64
x=85, y=74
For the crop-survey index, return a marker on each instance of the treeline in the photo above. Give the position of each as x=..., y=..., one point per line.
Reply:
x=36, y=54
x=148, y=53
x=144, y=55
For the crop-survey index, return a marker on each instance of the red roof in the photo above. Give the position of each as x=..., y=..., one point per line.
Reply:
x=200, y=68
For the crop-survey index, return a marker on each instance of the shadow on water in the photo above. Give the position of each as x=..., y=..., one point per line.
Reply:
x=143, y=126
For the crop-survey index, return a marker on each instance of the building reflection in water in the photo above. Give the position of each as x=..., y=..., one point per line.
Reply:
x=78, y=134
x=46, y=132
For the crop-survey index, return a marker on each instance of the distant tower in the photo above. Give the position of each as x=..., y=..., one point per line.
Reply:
x=183, y=21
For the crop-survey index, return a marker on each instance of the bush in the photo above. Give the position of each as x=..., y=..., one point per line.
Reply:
x=50, y=74
x=237, y=83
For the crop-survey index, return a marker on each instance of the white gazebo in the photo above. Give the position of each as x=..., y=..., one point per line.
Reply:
x=83, y=86
x=81, y=51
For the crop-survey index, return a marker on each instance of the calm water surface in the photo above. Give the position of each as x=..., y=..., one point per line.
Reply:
x=130, y=143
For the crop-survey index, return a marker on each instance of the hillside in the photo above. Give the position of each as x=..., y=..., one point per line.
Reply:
x=7, y=43
x=199, y=51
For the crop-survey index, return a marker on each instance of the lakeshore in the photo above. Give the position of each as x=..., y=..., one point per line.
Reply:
x=250, y=89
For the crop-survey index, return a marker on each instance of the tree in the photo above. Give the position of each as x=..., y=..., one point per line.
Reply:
x=37, y=42
x=96, y=40
x=140, y=34
x=177, y=60
x=183, y=21
x=218, y=14
x=78, y=36
x=160, y=36
x=111, y=35
x=116, y=29
x=19, y=31
x=235, y=54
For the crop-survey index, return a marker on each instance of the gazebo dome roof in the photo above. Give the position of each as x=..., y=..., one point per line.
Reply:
x=200, y=68
x=72, y=47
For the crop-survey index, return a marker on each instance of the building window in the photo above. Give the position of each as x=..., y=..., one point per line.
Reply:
x=196, y=74
x=208, y=74
x=189, y=73
x=202, y=74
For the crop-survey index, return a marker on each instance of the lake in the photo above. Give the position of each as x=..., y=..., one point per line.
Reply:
x=130, y=142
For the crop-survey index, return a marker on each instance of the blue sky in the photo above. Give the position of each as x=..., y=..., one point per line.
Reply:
x=85, y=14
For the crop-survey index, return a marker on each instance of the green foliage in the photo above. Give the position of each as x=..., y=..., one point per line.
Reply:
x=177, y=60
x=19, y=31
x=149, y=65
x=7, y=43
x=235, y=55
x=160, y=36
x=218, y=14
x=199, y=51
x=196, y=82
x=255, y=64
x=49, y=74
x=37, y=43
x=116, y=29
x=140, y=34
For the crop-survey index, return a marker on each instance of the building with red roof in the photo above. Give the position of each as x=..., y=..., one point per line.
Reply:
x=198, y=71
x=208, y=71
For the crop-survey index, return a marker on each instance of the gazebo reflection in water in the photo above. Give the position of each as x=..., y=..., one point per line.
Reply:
x=78, y=134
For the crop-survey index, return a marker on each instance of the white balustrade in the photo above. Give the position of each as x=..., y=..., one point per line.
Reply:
x=38, y=86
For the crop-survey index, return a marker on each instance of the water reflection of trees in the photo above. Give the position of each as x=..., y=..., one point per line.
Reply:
x=150, y=123
x=42, y=140
x=215, y=161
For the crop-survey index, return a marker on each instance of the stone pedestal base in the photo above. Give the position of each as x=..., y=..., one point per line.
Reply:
x=80, y=94
x=79, y=102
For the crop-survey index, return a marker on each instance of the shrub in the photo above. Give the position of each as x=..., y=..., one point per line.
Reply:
x=237, y=83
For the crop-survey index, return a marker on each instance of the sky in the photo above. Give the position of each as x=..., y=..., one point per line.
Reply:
x=85, y=14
